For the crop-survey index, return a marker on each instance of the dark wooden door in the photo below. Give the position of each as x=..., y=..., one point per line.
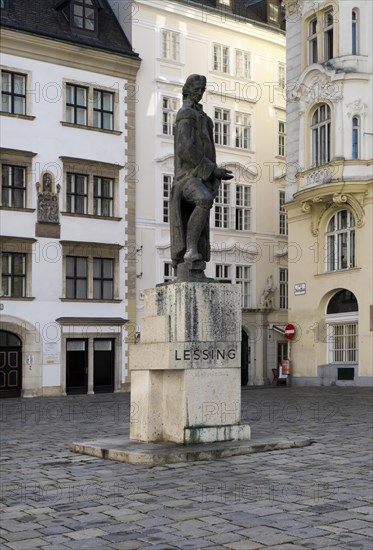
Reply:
x=244, y=359
x=103, y=366
x=10, y=371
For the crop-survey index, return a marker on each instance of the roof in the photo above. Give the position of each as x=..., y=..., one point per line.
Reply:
x=252, y=10
x=46, y=18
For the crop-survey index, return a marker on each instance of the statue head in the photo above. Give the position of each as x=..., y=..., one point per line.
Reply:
x=194, y=87
x=47, y=182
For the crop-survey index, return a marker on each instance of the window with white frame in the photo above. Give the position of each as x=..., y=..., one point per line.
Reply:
x=77, y=193
x=243, y=278
x=220, y=61
x=76, y=104
x=166, y=194
x=342, y=328
x=283, y=287
x=243, y=207
x=281, y=75
x=103, y=109
x=223, y=273
x=103, y=197
x=170, y=45
x=170, y=106
x=13, y=93
x=243, y=68
x=103, y=278
x=94, y=108
x=340, y=235
x=222, y=126
x=168, y=272
x=281, y=138
x=312, y=41
x=222, y=205
x=243, y=131
x=328, y=35
x=282, y=215
x=355, y=137
x=354, y=32
x=320, y=130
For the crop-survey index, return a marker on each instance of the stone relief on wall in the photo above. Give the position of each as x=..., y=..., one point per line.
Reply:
x=48, y=207
x=266, y=299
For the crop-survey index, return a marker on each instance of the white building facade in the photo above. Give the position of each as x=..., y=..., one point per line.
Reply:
x=66, y=145
x=330, y=190
x=243, y=59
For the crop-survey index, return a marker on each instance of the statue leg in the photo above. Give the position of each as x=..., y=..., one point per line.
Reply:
x=195, y=226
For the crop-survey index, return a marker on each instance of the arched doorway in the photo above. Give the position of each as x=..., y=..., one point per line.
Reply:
x=10, y=364
x=245, y=358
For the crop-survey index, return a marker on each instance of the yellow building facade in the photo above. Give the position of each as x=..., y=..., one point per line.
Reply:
x=329, y=191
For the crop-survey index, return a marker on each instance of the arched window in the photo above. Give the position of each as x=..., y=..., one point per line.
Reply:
x=9, y=340
x=342, y=322
x=354, y=35
x=355, y=137
x=341, y=241
x=320, y=128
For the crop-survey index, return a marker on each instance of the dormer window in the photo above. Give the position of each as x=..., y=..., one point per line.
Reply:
x=84, y=15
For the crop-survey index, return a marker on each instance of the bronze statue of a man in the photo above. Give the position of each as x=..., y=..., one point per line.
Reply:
x=196, y=183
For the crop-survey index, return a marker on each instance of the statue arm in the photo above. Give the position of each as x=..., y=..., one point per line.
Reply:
x=188, y=152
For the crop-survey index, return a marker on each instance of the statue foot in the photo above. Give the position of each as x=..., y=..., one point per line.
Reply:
x=192, y=255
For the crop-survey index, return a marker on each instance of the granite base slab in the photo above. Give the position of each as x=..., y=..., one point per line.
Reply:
x=122, y=449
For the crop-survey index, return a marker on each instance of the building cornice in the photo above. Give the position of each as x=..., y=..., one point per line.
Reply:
x=62, y=53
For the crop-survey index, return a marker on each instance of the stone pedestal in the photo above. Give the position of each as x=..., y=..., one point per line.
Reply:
x=186, y=371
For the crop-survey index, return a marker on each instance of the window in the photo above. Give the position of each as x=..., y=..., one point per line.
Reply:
x=243, y=69
x=243, y=277
x=103, y=109
x=281, y=138
x=273, y=11
x=170, y=107
x=283, y=288
x=223, y=273
x=220, y=58
x=312, y=41
x=225, y=2
x=328, y=35
x=221, y=126
x=13, y=273
x=281, y=76
x=103, y=279
x=170, y=45
x=222, y=205
x=13, y=93
x=233, y=206
x=76, y=104
x=243, y=207
x=91, y=188
x=103, y=196
x=84, y=14
x=341, y=241
x=243, y=128
x=354, y=30
x=76, y=277
x=168, y=272
x=341, y=318
x=320, y=128
x=13, y=182
x=283, y=216
x=77, y=193
x=355, y=137
x=167, y=183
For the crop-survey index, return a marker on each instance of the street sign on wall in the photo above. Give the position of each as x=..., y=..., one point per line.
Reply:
x=289, y=331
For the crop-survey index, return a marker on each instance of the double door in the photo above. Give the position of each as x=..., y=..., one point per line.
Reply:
x=77, y=365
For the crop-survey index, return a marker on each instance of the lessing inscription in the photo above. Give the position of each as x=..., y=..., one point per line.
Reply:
x=205, y=354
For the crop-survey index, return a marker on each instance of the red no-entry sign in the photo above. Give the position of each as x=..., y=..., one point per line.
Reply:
x=289, y=331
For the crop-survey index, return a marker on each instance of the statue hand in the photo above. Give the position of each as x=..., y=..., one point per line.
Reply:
x=223, y=174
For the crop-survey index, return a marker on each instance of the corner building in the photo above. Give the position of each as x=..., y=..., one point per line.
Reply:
x=66, y=140
x=241, y=51
x=329, y=190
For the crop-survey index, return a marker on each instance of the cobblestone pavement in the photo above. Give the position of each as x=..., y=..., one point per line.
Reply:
x=309, y=498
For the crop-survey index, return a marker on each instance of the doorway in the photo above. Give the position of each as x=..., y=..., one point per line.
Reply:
x=103, y=366
x=76, y=366
x=245, y=358
x=10, y=365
